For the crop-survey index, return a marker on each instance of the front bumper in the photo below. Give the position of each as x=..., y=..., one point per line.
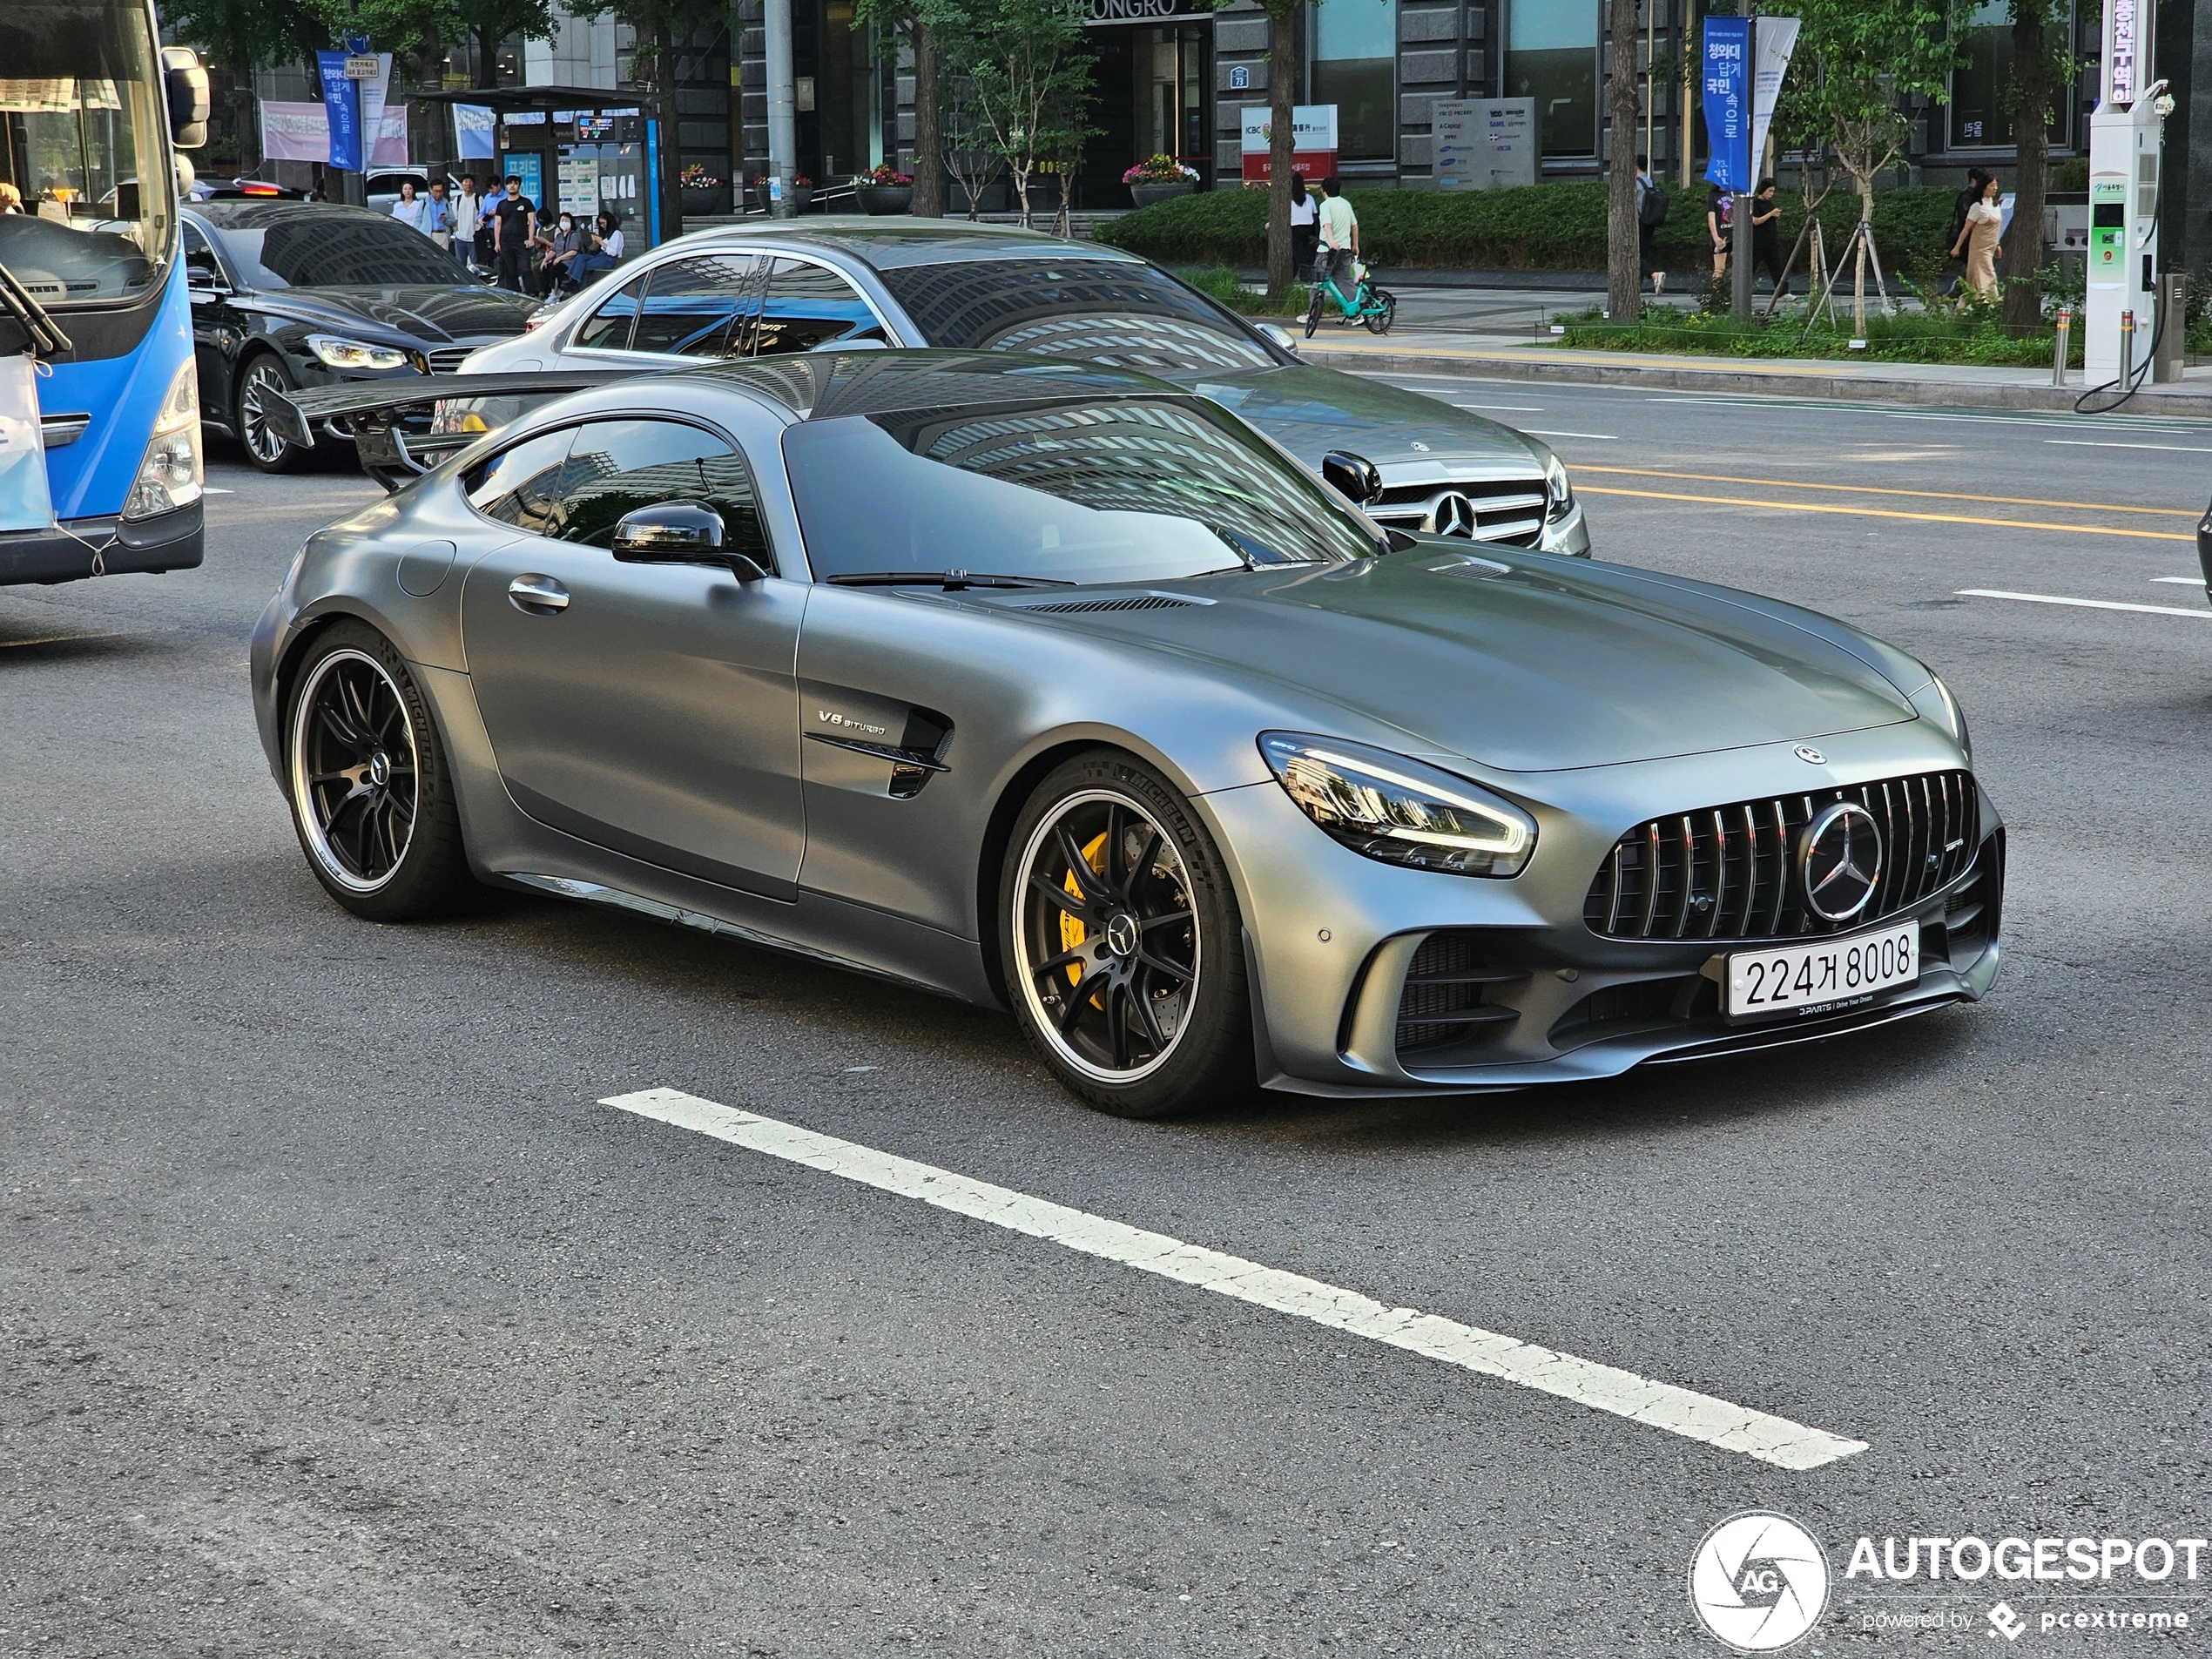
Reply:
x=167, y=541
x=1335, y=939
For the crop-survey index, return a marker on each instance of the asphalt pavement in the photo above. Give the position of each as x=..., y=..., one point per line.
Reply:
x=340, y=1317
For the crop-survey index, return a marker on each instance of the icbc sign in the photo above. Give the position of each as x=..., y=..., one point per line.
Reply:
x=1313, y=142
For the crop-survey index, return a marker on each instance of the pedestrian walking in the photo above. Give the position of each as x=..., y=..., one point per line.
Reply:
x=468, y=215
x=437, y=216
x=1985, y=221
x=1652, y=204
x=1340, y=238
x=1720, y=225
x=1766, y=237
x=408, y=209
x=1955, y=245
x=514, y=221
x=1305, y=226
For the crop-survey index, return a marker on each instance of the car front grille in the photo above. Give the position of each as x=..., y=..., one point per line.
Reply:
x=1731, y=871
x=1442, y=999
x=1506, y=510
x=446, y=360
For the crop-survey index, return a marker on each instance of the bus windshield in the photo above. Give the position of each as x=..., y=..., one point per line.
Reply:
x=84, y=150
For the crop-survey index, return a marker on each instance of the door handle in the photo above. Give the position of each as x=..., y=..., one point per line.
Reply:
x=538, y=595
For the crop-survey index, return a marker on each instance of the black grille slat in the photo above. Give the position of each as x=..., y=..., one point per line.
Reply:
x=1727, y=871
x=1441, y=1001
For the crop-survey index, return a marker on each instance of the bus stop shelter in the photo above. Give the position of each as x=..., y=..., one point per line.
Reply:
x=576, y=149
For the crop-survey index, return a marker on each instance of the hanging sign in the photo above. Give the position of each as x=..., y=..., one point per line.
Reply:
x=341, y=103
x=1777, y=39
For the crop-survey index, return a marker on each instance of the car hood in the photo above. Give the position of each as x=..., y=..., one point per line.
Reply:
x=1536, y=664
x=1310, y=411
x=424, y=315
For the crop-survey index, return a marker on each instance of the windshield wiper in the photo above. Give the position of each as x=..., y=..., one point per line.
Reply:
x=951, y=581
x=46, y=336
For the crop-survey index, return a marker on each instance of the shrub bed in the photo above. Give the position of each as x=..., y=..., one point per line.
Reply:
x=1539, y=227
x=1975, y=336
x=1220, y=282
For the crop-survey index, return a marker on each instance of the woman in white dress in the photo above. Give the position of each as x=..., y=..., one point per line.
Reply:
x=408, y=209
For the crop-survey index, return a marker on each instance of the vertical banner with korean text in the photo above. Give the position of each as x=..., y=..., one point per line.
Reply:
x=1728, y=104
x=1777, y=39
x=341, y=107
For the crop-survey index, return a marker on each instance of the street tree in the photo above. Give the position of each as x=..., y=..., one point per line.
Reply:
x=1282, y=87
x=1029, y=73
x=1624, y=282
x=243, y=35
x=920, y=27
x=2042, y=63
x=1863, y=59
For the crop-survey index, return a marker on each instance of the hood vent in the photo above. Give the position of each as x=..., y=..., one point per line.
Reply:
x=1137, y=602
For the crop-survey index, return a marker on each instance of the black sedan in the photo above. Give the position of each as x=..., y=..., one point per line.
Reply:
x=287, y=294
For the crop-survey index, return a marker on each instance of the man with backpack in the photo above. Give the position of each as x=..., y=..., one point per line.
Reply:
x=1651, y=214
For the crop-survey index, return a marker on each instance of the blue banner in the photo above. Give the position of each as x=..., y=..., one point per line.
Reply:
x=1728, y=102
x=341, y=99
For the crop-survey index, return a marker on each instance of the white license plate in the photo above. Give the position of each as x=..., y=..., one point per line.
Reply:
x=1791, y=979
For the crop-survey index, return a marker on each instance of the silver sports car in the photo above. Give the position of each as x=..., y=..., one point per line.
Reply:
x=1060, y=687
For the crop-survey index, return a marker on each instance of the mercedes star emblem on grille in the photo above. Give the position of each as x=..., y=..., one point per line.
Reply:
x=1810, y=755
x=1453, y=514
x=1840, y=860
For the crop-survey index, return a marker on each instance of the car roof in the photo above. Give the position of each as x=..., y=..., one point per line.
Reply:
x=259, y=214
x=889, y=243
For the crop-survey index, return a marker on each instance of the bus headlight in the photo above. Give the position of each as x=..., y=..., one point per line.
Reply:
x=171, y=475
x=355, y=354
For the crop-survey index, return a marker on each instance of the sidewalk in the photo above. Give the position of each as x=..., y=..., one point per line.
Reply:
x=1930, y=385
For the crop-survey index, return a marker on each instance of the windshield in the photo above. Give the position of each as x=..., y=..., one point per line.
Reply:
x=1138, y=490
x=1093, y=311
x=84, y=141
x=314, y=247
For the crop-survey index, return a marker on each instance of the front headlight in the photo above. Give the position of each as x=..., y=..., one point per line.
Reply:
x=171, y=473
x=1957, y=717
x=1559, y=493
x=1400, y=811
x=355, y=354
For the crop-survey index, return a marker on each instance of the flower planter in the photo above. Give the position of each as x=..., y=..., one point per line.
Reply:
x=1164, y=190
x=703, y=199
x=801, y=197
x=886, y=199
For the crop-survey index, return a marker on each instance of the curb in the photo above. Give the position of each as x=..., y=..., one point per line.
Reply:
x=1843, y=385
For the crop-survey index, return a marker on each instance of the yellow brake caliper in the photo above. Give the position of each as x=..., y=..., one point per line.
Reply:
x=1072, y=931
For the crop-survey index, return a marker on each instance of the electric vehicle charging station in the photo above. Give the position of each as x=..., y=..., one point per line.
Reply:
x=2125, y=135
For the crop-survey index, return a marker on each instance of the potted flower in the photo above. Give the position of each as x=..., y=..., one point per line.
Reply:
x=1157, y=178
x=802, y=191
x=884, y=190
x=701, y=191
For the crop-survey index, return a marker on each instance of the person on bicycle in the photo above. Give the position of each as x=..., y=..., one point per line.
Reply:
x=1340, y=238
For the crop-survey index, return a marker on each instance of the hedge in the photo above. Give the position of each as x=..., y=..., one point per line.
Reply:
x=1537, y=227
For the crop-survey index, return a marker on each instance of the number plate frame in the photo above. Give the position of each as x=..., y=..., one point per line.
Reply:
x=1823, y=976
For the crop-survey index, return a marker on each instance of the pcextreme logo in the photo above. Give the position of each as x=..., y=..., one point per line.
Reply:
x=1759, y=1581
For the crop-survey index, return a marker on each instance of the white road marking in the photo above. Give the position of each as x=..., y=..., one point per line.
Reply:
x=216, y=489
x=2181, y=581
x=2095, y=443
x=1606, y=1388
x=55, y=639
x=2087, y=604
x=1518, y=409
x=1602, y=437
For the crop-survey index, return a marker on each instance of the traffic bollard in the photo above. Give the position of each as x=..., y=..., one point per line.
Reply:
x=2126, y=347
x=2058, y=357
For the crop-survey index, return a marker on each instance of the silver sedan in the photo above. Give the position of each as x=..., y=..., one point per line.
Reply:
x=1061, y=688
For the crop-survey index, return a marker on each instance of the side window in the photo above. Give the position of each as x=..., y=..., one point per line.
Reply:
x=609, y=328
x=521, y=486
x=697, y=307
x=808, y=305
x=199, y=259
x=619, y=465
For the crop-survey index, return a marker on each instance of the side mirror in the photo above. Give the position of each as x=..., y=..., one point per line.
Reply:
x=1353, y=475
x=185, y=85
x=681, y=532
x=202, y=281
x=1279, y=337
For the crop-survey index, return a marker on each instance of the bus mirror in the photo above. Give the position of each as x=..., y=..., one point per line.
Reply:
x=185, y=83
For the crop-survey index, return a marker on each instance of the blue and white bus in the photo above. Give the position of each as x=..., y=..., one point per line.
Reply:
x=92, y=112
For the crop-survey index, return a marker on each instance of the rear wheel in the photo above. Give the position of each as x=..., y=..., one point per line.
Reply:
x=266, y=448
x=1384, y=314
x=1313, y=311
x=372, y=798
x=1123, y=944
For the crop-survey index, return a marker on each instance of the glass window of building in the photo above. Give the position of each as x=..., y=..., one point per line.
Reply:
x=1551, y=56
x=1980, y=114
x=1355, y=67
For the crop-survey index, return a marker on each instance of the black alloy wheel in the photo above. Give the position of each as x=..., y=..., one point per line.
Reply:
x=1125, y=961
x=266, y=448
x=371, y=797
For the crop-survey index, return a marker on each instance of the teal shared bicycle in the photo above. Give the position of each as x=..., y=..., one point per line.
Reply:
x=1370, y=305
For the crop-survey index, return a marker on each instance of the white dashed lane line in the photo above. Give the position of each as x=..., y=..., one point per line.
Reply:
x=2086, y=605
x=1605, y=1388
x=1601, y=437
